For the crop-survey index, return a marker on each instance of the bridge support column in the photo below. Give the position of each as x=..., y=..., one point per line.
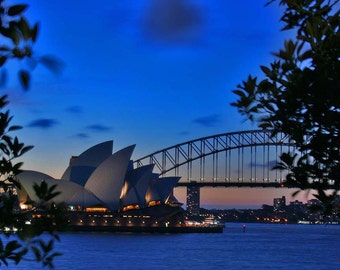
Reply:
x=193, y=199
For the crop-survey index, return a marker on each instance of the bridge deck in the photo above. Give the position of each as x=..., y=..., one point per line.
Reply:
x=235, y=184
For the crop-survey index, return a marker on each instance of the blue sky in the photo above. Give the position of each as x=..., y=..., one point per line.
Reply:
x=153, y=73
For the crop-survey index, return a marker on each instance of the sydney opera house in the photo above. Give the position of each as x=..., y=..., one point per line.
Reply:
x=103, y=190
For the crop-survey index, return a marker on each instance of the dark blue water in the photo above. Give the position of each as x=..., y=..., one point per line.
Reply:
x=261, y=246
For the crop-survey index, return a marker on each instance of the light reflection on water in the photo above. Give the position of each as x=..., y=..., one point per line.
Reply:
x=261, y=246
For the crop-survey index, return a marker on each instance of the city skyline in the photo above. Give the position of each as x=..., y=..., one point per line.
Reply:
x=152, y=73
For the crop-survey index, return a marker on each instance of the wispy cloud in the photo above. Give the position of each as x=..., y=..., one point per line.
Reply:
x=74, y=109
x=82, y=135
x=208, y=121
x=43, y=123
x=98, y=128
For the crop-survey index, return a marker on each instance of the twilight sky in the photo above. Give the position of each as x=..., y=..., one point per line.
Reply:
x=153, y=73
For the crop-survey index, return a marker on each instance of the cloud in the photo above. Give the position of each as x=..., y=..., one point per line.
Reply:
x=172, y=20
x=98, y=128
x=74, y=109
x=82, y=135
x=43, y=123
x=208, y=121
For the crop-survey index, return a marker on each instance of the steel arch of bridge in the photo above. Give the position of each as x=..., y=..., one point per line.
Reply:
x=184, y=154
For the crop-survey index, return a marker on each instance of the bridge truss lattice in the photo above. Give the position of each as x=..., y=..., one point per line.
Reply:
x=246, y=156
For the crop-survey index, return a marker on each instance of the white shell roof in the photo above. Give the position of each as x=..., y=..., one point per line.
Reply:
x=71, y=193
x=27, y=179
x=136, y=184
x=85, y=164
x=107, y=181
x=161, y=188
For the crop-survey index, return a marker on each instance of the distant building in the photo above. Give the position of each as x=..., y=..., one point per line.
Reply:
x=193, y=200
x=279, y=203
x=313, y=202
x=297, y=205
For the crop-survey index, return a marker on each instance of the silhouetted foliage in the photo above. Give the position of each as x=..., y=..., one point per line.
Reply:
x=299, y=94
x=20, y=240
x=17, y=38
x=49, y=217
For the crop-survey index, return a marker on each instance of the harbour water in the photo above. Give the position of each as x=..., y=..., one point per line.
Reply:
x=258, y=246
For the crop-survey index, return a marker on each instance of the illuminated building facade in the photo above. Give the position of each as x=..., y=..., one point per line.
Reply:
x=279, y=203
x=99, y=181
x=193, y=200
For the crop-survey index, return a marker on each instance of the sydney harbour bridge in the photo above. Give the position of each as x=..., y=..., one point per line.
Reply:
x=235, y=159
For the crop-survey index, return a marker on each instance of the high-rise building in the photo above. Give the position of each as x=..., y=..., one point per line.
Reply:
x=193, y=200
x=279, y=203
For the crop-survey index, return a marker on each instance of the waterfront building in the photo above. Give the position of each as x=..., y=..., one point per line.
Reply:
x=102, y=182
x=279, y=203
x=313, y=202
x=193, y=200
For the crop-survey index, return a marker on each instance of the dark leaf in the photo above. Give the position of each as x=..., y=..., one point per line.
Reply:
x=26, y=149
x=11, y=32
x=16, y=10
x=2, y=60
x=266, y=71
x=17, y=166
x=12, y=246
x=295, y=193
x=24, y=28
x=52, y=63
x=239, y=93
x=24, y=78
x=3, y=259
x=5, y=49
x=306, y=55
x=37, y=253
x=13, y=128
x=34, y=32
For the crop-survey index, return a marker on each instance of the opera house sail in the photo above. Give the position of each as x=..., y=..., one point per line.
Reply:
x=103, y=191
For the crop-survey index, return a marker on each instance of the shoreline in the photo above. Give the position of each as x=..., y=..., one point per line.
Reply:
x=146, y=229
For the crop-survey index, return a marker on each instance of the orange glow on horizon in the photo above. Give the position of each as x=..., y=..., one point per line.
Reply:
x=241, y=197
